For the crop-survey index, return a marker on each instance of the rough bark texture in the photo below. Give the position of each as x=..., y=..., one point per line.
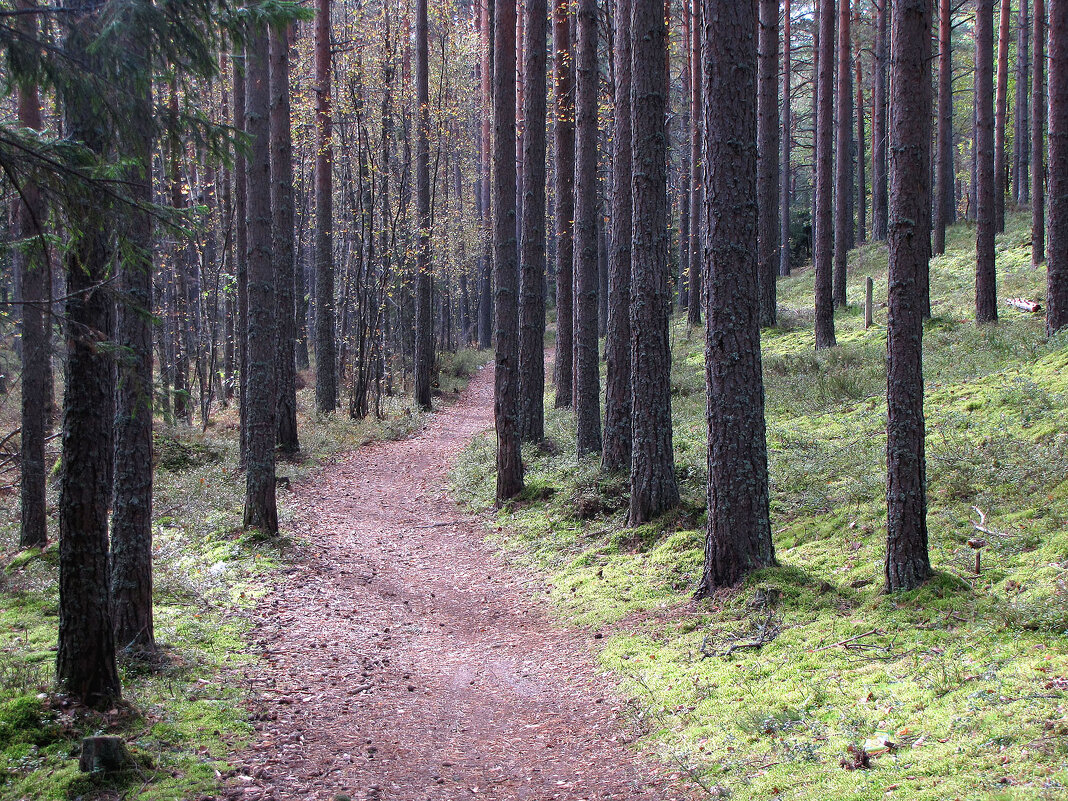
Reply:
x=285, y=377
x=532, y=288
x=31, y=259
x=485, y=303
x=862, y=178
x=944, y=151
x=787, y=132
x=325, y=347
x=907, y=562
x=241, y=254
x=685, y=173
x=739, y=528
x=505, y=258
x=564, y=198
x=1038, y=124
x=85, y=662
x=843, y=161
x=617, y=404
x=261, y=511
x=1000, y=116
x=1021, y=140
x=986, y=309
x=768, y=158
x=131, y=523
x=824, y=243
x=653, y=488
x=879, y=197
x=697, y=178
x=587, y=361
x=424, y=300
x=1057, y=287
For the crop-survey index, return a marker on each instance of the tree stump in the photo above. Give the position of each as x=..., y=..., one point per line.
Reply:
x=107, y=754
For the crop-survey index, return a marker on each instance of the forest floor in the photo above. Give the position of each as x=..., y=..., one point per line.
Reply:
x=401, y=659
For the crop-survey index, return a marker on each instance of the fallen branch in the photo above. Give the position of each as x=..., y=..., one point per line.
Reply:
x=1024, y=305
x=768, y=631
x=848, y=640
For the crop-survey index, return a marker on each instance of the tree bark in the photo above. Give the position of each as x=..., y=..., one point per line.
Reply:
x=505, y=258
x=739, y=528
x=1021, y=125
x=862, y=179
x=843, y=223
x=697, y=231
x=485, y=304
x=424, y=300
x=879, y=197
x=1038, y=124
x=824, y=225
x=617, y=417
x=587, y=361
x=1001, y=113
x=986, y=309
x=785, y=141
x=653, y=488
x=1057, y=268
x=685, y=172
x=768, y=242
x=564, y=157
x=325, y=345
x=241, y=255
x=944, y=151
x=907, y=563
x=532, y=289
x=261, y=511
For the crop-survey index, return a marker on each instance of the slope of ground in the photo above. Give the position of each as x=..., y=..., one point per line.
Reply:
x=957, y=690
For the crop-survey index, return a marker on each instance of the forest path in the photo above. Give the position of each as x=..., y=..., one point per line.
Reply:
x=403, y=660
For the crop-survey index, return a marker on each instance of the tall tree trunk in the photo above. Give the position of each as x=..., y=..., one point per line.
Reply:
x=285, y=376
x=653, y=488
x=739, y=527
x=986, y=309
x=862, y=180
x=85, y=661
x=768, y=242
x=1021, y=144
x=505, y=258
x=907, y=562
x=697, y=197
x=424, y=300
x=944, y=151
x=325, y=345
x=587, y=361
x=35, y=275
x=261, y=511
x=1038, y=123
x=824, y=225
x=131, y=524
x=532, y=289
x=843, y=185
x=785, y=141
x=1000, y=114
x=485, y=303
x=564, y=157
x=241, y=254
x=1057, y=268
x=685, y=174
x=617, y=404
x=879, y=197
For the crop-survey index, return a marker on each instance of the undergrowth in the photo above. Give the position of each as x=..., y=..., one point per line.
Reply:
x=184, y=714
x=955, y=690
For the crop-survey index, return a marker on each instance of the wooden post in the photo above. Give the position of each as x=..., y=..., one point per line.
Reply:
x=868, y=291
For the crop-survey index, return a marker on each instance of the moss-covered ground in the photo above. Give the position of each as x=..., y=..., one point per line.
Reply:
x=183, y=714
x=956, y=690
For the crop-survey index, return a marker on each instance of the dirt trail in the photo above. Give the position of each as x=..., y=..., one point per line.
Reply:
x=404, y=661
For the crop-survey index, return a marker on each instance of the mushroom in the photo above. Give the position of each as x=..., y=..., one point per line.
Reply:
x=977, y=545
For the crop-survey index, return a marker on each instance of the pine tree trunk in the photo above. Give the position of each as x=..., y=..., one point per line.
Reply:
x=1000, y=114
x=617, y=415
x=697, y=197
x=653, y=488
x=685, y=174
x=907, y=563
x=824, y=224
x=739, y=528
x=325, y=346
x=485, y=303
x=131, y=532
x=944, y=151
x=986, y=309
x=85, y=661
x=843, y=185
x=587, y=357
x=505, y=257
x=241, y=255
x=1057, y=276
x=564, y=157
x=1021, y=145
x=768, y=242
x=1038, y=124
x=532, y=289
x=879, y=197
x=424, y=300
x=261, y=511
x=785, y=142
x=862, y=179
